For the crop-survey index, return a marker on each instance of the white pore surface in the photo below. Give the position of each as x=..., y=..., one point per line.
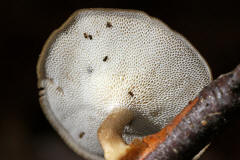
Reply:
x=149, y=69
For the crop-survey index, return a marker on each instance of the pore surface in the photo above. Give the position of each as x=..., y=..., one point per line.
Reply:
x=102, y=59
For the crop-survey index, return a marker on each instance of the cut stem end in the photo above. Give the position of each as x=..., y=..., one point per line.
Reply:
x=110, y=133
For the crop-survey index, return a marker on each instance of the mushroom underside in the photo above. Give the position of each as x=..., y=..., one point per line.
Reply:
x=103, y=59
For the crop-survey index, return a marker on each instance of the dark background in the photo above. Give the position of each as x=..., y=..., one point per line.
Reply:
x=213, y=28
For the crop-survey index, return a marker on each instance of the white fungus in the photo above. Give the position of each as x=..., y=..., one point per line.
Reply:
x=101, y=59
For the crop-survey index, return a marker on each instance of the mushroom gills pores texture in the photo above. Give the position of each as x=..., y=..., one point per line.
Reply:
x=101, y=59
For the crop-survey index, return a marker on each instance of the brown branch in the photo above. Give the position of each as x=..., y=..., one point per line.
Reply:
x=195, y=126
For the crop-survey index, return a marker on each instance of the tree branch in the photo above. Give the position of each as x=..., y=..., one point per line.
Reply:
x=195, y=126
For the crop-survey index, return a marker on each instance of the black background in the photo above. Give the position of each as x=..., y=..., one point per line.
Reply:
x=212, y=27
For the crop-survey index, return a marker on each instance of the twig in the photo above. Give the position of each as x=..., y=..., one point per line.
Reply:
x=195, y=126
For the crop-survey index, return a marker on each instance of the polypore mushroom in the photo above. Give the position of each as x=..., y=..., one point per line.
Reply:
x=104, y=67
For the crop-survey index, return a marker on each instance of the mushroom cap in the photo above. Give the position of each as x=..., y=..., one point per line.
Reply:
x=101, y=59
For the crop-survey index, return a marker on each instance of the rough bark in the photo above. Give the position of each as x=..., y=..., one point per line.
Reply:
x=195, y=126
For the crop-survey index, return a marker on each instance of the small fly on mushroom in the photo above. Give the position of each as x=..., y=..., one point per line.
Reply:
x=104, y=68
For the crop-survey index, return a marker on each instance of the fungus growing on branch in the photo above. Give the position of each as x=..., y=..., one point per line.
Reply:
x=101, y=60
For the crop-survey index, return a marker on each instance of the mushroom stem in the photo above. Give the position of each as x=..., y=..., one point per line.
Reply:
x=110, y=133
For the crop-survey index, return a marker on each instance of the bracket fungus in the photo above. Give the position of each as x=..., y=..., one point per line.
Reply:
x=106, y=67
